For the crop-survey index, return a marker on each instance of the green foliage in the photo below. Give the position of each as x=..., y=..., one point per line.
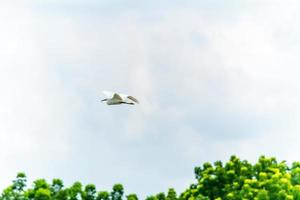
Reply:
x=151, y=197
x=117, y=192
x=57, y=191
x=90, y=192
x=20, y=183
x=171, y=194
x=41, y=183
x=42, y=194
x=239, y=180
x=103, y=195
x=75, y=191
x=161, y=196
x=132, y=197
x=56, y=186
x=16, y=190
x=236, y=179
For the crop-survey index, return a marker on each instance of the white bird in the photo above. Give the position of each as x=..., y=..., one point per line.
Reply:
x=114, y=98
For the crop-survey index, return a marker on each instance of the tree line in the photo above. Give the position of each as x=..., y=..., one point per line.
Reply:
x=42, y=190
x=236, y=179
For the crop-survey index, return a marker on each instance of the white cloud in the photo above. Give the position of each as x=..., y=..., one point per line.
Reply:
x=35, y=108
x=210, y=85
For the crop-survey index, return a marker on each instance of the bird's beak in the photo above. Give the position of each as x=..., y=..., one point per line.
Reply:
x=104, y=100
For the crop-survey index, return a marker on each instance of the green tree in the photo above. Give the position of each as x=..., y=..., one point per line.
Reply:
x=132, y=197
x=20, y=183
x=103, y=195
x=56, y=186
x=40, y=191
x=152, y=197
x=8, y=194
x=40, y=184
x=75, y=191
x=57, y=191
x=90, y=192
x=42, y=194
x=16, y=190
x=171, y=194
x=267, y=179
x=161, y=196
x=117, y=193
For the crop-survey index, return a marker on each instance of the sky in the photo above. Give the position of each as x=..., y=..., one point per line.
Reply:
x=214, y=79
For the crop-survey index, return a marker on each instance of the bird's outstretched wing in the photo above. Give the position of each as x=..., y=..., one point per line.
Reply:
x=117, y=97
x=133, y=99
x=120, y=97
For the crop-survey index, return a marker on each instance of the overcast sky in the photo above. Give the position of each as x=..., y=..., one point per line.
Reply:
x=214, y=78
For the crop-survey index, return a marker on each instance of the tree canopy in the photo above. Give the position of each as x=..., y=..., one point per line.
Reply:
x=240, y=180
x=267, y=179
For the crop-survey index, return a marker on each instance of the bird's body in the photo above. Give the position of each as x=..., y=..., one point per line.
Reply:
x=114, y=98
